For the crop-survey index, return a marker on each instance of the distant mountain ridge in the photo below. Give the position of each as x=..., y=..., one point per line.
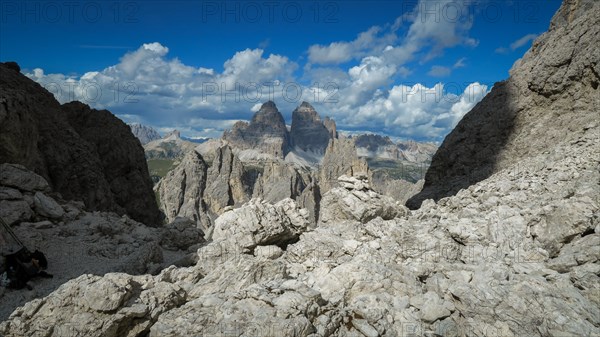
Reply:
x=171, y=146
x=378, y=146
x=144, y=133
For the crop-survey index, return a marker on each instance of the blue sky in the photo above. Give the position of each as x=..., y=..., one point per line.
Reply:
x=409, y=69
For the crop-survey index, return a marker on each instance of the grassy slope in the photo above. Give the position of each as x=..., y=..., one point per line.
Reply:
x=160, y=167
x=396, y=169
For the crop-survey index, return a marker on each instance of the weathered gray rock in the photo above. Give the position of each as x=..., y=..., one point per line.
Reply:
x=47, y=207
x=19, y=177
x=355, y=200
x=84, y=154
x=331, y=127
x=181, y=191
x=280, y=180
x=225, y=186
x=261, y=224
x=476, y=263
x=340, y=159
x=14, y=211
x=399, y=189
x=522, y=116
x=171, y=146
x=265, y=132
x=308, y=132
x=145, y=134
x=8, y=193
x=181, y=234
x=268, y=252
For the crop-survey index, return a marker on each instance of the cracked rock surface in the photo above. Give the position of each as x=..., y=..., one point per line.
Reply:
x=514, y=254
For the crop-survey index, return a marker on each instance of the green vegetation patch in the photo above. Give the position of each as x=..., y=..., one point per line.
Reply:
x=396, y=169
x=160, y=167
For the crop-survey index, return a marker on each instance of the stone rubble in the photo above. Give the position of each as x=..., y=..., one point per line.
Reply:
x=514, y=254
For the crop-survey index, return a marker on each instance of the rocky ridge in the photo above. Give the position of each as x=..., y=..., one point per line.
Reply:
x=377, y=146
x=502, y=258
x=233, y=177
x=144, y=133
x=511, y=255
x=171, y=146
x=266, y=132
x=550, y=97
x=202, y=192
x=68, y=146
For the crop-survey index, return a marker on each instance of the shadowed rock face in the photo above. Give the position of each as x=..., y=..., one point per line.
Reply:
x=266, y=132
x=527, y=113
x=308, y=132
x=85, y=154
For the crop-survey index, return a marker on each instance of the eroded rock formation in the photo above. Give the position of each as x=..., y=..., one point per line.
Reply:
x=265, y=132
x=308, y=132
x=546, y=101
x=340, y=159
x=84, y=154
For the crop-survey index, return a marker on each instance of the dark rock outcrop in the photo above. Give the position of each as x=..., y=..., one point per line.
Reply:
x=13, y=66
x=308, y=132
x=527, y=113
x=266, y=132
x=84, y=154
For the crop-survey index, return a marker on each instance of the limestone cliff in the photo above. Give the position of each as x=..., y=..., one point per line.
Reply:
x=549, y=99
x=266, y=132
x=85, y=154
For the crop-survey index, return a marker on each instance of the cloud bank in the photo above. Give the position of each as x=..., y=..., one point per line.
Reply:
x=362, y=84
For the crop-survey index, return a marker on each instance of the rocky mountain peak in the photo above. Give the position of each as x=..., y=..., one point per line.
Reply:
x=144, y=133
x=268, y=114
x=12, y=66
x=372, y=141
x=307, y=110
x=331, y=127
x=266, y=132
x=340, y=159
x=308, y=132
x=175, y=134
